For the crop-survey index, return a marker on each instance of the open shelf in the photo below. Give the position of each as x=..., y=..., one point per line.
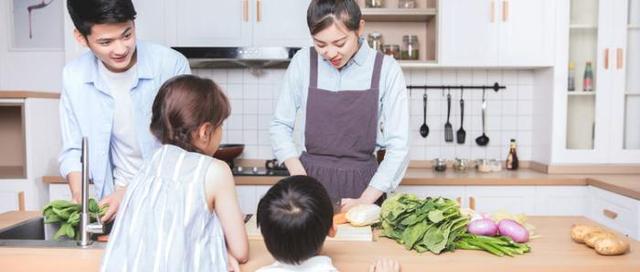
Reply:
x=398, y=15
x=12, y=133
x=580, y=93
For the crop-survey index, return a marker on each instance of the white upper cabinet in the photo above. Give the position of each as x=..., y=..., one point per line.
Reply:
x=525, y=32
x=281, y=23
x=237, y=23
x=497, y=33
x=209, y=23
x=469, y=36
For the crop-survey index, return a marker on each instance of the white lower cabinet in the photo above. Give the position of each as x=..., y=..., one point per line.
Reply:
x=249, y=196
x=561, y=201
x=514, y=199
x=615, y=211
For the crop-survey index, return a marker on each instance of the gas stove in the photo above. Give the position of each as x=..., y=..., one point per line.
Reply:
x=258, y=171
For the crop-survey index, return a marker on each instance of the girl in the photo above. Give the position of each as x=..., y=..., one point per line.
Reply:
x=181, y=207
x=344, y=90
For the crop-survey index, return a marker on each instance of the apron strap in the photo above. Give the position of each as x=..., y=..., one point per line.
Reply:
x=313, y=74
x=377, y=67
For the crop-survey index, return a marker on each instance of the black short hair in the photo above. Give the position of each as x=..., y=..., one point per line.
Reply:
x=295, y=216
x=86, y=13
x=323, y=13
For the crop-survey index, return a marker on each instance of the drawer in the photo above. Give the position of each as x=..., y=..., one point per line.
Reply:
x=615, y=211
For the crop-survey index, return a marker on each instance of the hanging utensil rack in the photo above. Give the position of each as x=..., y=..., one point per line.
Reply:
x=495, y=87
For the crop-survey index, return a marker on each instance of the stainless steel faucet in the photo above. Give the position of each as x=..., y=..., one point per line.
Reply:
x=86, y=228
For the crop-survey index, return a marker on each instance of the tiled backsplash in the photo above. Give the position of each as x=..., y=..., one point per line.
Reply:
x=509, y=112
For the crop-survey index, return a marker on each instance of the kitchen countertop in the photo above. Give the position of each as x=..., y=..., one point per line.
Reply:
x=554, y=251
x=27, y=94
x=627, y=185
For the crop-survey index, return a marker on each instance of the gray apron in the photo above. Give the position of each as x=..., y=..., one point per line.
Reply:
x=340, y=135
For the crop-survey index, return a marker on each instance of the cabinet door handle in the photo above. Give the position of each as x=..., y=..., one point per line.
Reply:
x=459, y=200
x=472, y=203
x=609, y=213
x=258, y=11
x=505, y=11
x=619, y=58
x=492, y=11
x=245, y=10
x=21, y=206
x=606, y=58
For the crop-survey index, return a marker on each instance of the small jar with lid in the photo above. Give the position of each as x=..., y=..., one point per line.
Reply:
x=410, y=48
x=374, y=3
x=392, y=50
x=407, y=4
x=375, y=41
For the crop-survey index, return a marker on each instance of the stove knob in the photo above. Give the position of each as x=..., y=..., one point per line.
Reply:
x=254, y=170
x=239, y=168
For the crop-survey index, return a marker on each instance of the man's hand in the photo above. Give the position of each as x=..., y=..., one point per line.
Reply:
x=113, y=201
x=385, y=265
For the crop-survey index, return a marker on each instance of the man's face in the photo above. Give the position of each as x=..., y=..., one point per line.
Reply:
x=114, y=44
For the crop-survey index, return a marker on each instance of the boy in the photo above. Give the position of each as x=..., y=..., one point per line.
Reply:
x=295, y=216
x=107, y=96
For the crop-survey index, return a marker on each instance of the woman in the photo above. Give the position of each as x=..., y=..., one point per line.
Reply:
x=344, y=91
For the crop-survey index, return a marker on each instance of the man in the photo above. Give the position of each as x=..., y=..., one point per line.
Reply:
x=107, y=96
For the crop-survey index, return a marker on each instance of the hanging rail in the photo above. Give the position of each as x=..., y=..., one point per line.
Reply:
x=495, y=87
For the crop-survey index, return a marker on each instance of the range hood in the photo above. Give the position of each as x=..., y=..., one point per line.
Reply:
x=238, y=57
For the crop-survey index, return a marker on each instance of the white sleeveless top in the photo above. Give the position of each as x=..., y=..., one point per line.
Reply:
x=164, y=223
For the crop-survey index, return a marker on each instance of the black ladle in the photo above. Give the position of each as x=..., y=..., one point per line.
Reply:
x=424, y=129
x=483, y=140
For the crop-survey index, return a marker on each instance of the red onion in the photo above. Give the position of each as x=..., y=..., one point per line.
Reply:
x=515, y=231
x=484, y=227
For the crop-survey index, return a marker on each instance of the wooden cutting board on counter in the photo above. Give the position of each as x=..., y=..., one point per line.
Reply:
x=345, y=232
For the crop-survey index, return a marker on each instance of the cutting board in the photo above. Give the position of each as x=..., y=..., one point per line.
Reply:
x=345, y=232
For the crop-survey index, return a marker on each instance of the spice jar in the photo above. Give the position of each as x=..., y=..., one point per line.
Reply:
x=392, y=50
x=440, y=165
x=375, y=40
x=374, y=3
x=407, y=4
x=410, y=49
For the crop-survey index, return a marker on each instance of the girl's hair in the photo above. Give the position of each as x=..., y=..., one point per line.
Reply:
x=323, y=13
x=183, y=104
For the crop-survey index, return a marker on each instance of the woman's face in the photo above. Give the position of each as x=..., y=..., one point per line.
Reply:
x=337, y=44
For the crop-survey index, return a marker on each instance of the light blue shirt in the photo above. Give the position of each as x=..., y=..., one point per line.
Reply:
x=87, y=109
x=393, y=108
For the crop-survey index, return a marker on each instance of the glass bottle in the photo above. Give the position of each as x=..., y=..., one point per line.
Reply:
x=410, y=48
x=512, y=157
x=407, y=4
x=374, y=3
x=572, y=77
x=375, y=41
x=587, y=84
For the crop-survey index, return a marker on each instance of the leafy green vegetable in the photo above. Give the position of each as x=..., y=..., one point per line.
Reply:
x=67, y=214
x=430, y=224
x=437, y=225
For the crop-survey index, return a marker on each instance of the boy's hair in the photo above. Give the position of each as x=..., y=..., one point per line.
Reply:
x=323, y=13
x=183, y=104
x=295, y=216
x=86, y=13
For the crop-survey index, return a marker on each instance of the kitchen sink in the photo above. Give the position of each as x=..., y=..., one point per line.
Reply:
x=35, y=233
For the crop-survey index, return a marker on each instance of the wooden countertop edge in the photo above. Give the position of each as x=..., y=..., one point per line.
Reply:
x=611, y=187
x=29, y=94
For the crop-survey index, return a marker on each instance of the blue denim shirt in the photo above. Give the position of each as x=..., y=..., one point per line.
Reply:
x=87, y=108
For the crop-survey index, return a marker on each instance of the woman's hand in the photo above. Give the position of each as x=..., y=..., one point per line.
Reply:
x=294, y=165
x=385, y=265
x=348, y=203
x=369, y=196
x=113, y=203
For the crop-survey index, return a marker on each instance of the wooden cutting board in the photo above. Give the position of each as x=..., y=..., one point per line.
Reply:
x=345, y=232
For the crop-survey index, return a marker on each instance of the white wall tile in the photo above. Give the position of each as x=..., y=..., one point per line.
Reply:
x=509, y=113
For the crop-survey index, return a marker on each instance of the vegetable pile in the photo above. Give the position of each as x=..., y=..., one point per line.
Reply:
x=432, y=224
x=67, y=214
x=438, y=225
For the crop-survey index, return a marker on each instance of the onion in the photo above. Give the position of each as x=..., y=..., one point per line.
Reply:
x=484, y=227
x=515, y=231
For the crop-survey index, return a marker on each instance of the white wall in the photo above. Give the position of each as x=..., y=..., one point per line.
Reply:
x=39, y=70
